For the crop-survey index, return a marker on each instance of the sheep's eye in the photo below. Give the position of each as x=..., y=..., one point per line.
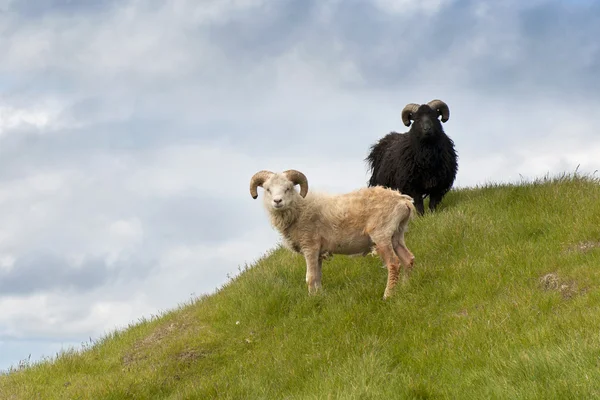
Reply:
x=269, y=190
x=287, y=190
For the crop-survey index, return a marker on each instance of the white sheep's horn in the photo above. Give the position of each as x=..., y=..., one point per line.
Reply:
x=257, y=180
x=298, y=178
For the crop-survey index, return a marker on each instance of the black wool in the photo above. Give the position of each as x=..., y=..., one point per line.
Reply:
x=421, y=162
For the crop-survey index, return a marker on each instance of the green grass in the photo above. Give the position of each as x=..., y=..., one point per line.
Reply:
x=479, y=318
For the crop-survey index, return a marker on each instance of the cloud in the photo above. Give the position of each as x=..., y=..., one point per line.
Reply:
x=43, y=8
x=24, y=276
x=129, y=131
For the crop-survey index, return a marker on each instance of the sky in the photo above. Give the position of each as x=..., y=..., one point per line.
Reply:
x=129, y=131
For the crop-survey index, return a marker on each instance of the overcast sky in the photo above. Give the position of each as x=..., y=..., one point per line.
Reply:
x=129, y=131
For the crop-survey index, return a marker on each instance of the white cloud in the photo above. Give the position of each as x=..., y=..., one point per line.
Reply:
x=7, y=261
x=12, y=118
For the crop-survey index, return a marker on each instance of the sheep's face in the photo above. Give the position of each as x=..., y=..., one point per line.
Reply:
x=279, y=193
x=426, y=123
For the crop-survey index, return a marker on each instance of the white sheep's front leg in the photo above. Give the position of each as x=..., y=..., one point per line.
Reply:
x=313, y=271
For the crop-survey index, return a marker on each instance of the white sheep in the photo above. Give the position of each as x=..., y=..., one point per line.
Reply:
x=318, y=225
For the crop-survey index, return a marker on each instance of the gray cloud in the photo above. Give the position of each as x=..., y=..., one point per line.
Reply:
x=44, y=271
x=271, y=30
x=506, y=47
x=45, y=8
x=199, y=219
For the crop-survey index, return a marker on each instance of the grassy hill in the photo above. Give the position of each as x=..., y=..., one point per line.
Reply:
x=504, y=302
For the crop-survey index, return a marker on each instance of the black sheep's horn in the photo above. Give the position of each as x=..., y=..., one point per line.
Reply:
x=441, y=108
x=407, y=113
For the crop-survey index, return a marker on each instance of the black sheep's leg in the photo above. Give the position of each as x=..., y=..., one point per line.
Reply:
x=434, y=199
x=418, y=198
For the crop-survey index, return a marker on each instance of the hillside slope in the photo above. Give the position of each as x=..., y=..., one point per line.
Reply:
x=504, y=302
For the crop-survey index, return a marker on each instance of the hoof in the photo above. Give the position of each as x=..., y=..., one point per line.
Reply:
x=314, y=289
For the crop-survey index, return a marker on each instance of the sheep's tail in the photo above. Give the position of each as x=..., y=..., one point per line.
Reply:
x=409, y=202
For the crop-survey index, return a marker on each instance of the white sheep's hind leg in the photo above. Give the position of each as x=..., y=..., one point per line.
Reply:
x=404, y=254
x=387, y=254
x=313, y=271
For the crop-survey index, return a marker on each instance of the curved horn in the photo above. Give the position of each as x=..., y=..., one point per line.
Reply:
x=441, y=108
x=410, y=109
x=257, y=180
x=298, y=178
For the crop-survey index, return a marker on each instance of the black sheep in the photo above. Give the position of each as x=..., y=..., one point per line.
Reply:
x=419, y=162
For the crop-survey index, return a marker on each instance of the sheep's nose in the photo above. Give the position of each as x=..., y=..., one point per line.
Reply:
x=277, y=201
